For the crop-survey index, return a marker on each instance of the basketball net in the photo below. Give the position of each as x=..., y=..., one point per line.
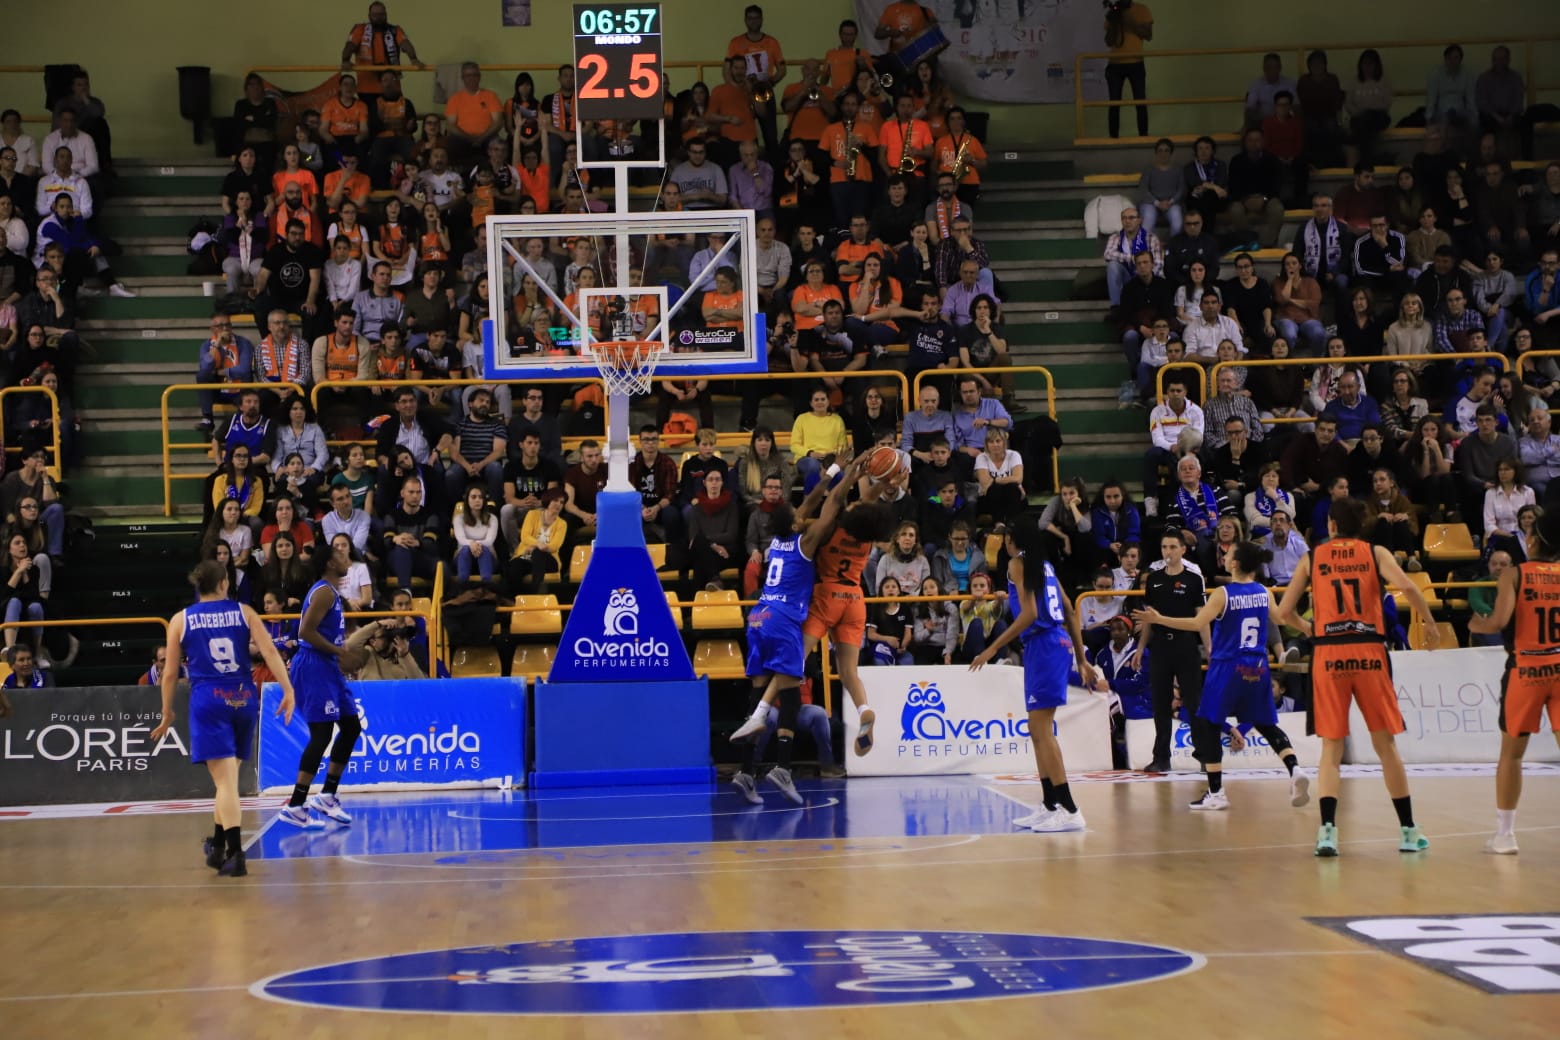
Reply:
x=626, y=367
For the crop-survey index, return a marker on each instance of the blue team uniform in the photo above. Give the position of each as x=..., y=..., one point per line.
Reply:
x=318, y=684
x=224, y=702
x=775, y=642
x=1238, y=683
x=1048, y=652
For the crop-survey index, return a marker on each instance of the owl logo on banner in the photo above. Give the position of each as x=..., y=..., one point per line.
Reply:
x=622, y=614
x=923, y=698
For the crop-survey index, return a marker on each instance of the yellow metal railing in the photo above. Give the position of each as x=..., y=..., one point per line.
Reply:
x=1050, y=396
x=1202, y=379
x=545, y=69
x=54, y=414
x=168, y=447
x=1522, y=359
x=1524, y=52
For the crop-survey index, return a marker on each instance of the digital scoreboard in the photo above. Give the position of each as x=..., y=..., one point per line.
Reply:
x=617, y=61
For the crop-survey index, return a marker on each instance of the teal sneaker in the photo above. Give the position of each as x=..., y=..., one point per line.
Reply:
x=1327, y=841
x=1413, y=841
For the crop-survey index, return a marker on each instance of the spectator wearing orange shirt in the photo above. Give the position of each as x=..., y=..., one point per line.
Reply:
x=534, y=179
x=807, y=299
x=763, y=69
x=905, y=145
x=292, y=172
x=850, y=194
x=849, y=254
x=346, y=184
x=474, y=115
x=377, y=42
x=967, y=186
x=902, y=22
x=731, y=109
x=293, y=208
x=844, y=61
x=344, y=118
x=722, y=306
x=392, y=121
x=557, y=119
x=810, y=104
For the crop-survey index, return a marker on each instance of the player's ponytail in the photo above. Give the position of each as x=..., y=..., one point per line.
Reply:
x=1031, y=554
x=1249, y=557
x=207, y=577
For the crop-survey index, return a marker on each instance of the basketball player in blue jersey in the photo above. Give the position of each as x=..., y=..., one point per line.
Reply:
x=1047, y=627
x=214, y=635
x=1238, y=682
x=326, y=704
x=776, y=645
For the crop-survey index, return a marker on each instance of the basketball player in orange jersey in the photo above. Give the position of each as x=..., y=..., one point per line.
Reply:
x=838, y=606
x=1349, y=660
x=1527, y=608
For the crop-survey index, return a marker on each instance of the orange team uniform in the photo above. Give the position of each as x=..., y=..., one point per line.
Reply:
x=397, y=368
x=430, y=248
x=837, y=604
x=372, y=45
x=358, y=185
x=887, y=294
x=392, y=116
x=472, y=114
x=808, y=122
x=1532, y=681
x=804, y=294
x=947, y=149
x=833, y=142
x=869, y=115
x=357, y=235
x=303, y=178
x=343, y=120
x=534, y=185
x=849, y=252
x=313, y=229
x=723, y=301
x=484, y=203
x=393, y=241
x=907, y=19
x=342, y=362
x=727, y=100
x=843, y=64
x=762, y=55
x=1350, y=659
x=892, y=138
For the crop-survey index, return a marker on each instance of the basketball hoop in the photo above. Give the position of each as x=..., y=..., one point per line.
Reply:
x=627, y=366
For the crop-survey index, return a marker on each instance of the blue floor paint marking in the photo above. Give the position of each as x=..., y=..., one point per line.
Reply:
x=471, y=824
x=679, y=973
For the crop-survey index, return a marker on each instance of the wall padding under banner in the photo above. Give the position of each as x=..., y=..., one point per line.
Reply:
x=416, y=734
x=948, y=719
x=1450, y=701
x=1255, y=755
x=92, y=744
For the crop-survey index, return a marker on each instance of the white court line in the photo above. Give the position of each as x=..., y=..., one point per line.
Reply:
x=827, y=803
x=260, y=830
x=755, y=868
x=175, y=991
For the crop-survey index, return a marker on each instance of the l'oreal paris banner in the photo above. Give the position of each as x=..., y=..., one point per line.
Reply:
x=948, y=719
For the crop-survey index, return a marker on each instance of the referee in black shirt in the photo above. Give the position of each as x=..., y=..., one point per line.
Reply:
x=1174, y=591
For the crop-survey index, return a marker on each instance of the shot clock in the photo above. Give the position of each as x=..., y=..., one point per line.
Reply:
x=617, y=61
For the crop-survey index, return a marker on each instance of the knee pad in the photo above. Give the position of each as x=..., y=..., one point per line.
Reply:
x=790, y=707
x=1277, y=739
x=314, y=750
x=350, y=729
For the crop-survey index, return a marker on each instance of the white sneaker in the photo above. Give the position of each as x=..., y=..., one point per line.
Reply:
x=745, y=786
x=1299, y=789
x=298, y=816
x=781, y=778
x=1502, y=845
x=1211, y=801
x=754, y=724
x=120, y=291
x=1150, y=506
x=1039, y=816
x=1059, y=821
x=329, y=805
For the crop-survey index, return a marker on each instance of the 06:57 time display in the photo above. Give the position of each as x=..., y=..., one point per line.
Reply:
x=629, y=20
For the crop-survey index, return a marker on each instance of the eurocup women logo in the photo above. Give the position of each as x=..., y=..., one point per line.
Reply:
x=622, y=614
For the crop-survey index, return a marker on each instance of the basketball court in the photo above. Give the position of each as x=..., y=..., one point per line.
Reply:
x=1221, y=923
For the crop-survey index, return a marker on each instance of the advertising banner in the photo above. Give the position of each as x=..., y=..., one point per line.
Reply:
x=948, y=719
x=1450, y=701
x=92, y=744
x=1255, y=755
x=1007, y=50
x=416, y=734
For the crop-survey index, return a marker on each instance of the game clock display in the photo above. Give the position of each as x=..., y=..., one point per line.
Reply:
x=617, y=61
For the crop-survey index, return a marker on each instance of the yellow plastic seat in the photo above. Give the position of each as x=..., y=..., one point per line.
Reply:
x=993, y=550
x=671, y=601
x=532, y=661
x=546, y=621
x=719, y=659
x=717, y=611
x=1450, y=543
x=578, y=562
x=1416, y=636
x=470, y=662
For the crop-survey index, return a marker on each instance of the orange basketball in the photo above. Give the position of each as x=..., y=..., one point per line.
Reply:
x=882, y=462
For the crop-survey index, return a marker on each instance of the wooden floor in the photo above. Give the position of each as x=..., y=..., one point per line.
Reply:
x=112, y=927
